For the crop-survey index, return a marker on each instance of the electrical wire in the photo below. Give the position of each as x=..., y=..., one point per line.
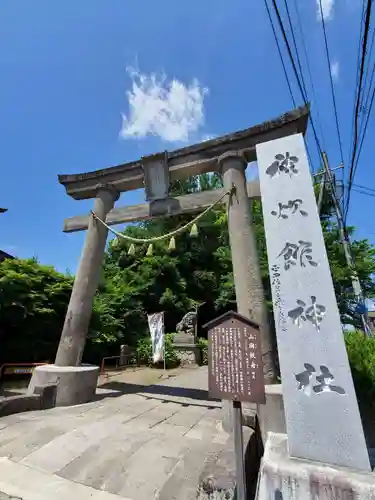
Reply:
x=295, y=46
x=300, y=86
x=363, y=187
x=300, y=26
x=366, y=103
x=285, y=71
x=360, y=191
x=357, y=76
x=364, y=132
x=367, y=70
x=331, y=82
x=358, y=100
x=280, y=53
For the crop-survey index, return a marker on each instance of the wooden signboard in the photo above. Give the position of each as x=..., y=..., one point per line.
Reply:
x=235, y=364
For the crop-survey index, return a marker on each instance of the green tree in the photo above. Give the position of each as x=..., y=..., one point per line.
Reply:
x=33, y=303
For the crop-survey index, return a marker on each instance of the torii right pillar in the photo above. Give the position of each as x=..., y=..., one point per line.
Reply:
x=246, y=269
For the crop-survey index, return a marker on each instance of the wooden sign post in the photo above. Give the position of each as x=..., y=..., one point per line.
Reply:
x=235, y=372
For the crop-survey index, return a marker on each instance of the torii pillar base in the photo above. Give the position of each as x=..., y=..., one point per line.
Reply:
x=74, y=384
x=282, y=477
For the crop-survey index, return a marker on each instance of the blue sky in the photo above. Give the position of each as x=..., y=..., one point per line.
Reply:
x=65, y=85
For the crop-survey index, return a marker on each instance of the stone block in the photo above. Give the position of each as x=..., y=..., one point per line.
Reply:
x=183, y=338
x=218, y=478
x=272, y=414
x=285, y=478
x=19, y=404
x=188, y=354
x=74, y=384
x=47, y=395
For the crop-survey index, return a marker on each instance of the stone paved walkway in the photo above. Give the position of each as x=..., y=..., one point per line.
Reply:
x=135, y=442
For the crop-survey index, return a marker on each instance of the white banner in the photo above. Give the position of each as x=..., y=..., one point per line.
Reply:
x=156, y=327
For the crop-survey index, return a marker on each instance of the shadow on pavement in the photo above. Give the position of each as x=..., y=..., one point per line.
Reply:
x=121, y=388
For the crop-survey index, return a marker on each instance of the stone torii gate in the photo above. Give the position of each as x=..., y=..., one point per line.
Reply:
x=229, y=155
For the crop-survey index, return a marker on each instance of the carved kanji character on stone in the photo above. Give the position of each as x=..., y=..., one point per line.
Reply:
x=313, y=313
x=291, y=206
x=325, y=380
x=283, y=164
x=293, y=252
x=304, y=378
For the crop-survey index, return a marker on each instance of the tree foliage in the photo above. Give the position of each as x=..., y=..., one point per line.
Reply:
x=33, y=303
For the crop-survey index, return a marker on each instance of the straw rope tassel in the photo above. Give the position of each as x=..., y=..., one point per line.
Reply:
x=172, y=244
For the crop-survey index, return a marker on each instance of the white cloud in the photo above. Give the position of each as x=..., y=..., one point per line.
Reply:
x=335, y=71
x=171, y=110
x=327, y=9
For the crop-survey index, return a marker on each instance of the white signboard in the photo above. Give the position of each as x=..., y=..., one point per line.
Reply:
x=322, y=417
x=156, y=327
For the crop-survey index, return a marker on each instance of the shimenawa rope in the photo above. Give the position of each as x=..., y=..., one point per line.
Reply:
x=169, y=235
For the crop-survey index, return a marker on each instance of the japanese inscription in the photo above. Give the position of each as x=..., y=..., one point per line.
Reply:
x=283, y=164
x=323, y=381
x=307, y=319
x=291, y=207
x=278, y=301
x=313, y=313
x=235, y=360
x=293, y=253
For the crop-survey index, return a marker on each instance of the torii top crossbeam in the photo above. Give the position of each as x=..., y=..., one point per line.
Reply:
x=192, y=160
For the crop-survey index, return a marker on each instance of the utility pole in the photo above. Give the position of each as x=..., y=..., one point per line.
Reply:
x=345, y=241
x=321, y=192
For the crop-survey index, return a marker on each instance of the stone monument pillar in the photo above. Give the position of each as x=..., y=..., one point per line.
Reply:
x=323, y=453
x=77, y=383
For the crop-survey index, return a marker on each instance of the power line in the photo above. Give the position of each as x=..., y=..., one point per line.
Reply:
x=304, y=96
x=367, y=68
x=331, y=81
x=345, y=240
x=358, y=99
x=364, y=132
x=360, y=191
x=285, y=71
x=363, y=187
x=300, y=26
x=366, y=102
x=280, y=54
x=295, y=46
x=281, y=25
x=364, y=106
x=357, y=76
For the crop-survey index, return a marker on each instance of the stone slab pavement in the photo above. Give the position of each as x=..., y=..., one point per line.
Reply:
x=134, y=442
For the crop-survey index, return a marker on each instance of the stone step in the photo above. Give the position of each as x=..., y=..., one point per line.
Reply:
x=23, y=483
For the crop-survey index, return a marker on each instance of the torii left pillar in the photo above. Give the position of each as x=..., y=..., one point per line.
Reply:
x=76, y=383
